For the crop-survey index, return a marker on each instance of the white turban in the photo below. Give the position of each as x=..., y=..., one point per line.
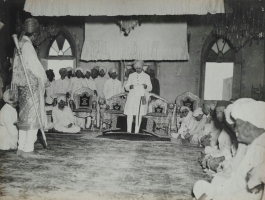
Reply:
x=229, y=108
x=140, y=63
x=79, y=68
x=113, y=69
x=61, y=97
x=183, y=108
x=9, y=97
x=252, y=112
x=86, y=69
x=197, y=112
x=69, y=69
x=102, y=68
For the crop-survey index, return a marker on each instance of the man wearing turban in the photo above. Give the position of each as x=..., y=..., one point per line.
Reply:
x=139, y=85
x=89, y=81
x=63, y=118
x=61, y=85
x=112, y=86
x=250, y=128
x=28, y=123
x=70, y=72
x=76, y=83
x=8, y=118
x=100, y=81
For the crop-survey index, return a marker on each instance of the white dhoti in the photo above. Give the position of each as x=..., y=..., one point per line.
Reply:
x=26, y=140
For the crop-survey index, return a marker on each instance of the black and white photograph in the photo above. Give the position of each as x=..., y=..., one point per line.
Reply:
x=132, y=99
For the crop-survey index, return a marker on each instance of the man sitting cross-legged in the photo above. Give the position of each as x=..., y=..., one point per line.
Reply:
x=63, y=117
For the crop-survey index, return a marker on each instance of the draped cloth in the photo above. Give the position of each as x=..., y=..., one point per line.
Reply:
x=104, y=41
x=122, y=7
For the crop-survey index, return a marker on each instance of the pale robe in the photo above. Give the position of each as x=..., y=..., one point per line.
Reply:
x=61, y=86
x=235, y=187
x=189, y=123
x=8, y=131
x=49, y=93
x=224, y=144
x=100, y=81
x=62, y=118
x=90, y=83
x=76, y=84
x=112, y=87
x=133, y=99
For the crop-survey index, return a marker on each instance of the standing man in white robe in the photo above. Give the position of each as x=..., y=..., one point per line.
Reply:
x=89, y=81
x=139, y=85
x=49, y=91
x=112, y=86
x=63, y=118
x=61, y=85
x=8, y=118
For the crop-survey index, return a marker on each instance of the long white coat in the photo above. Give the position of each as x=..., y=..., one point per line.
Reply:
x=76, y=84
x=134, y=96
x=61, y=86
x=8, y=131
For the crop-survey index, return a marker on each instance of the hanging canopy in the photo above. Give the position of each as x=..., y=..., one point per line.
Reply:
x=122, y=7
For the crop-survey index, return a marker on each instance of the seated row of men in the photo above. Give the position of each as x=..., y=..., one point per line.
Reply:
x=234, y=148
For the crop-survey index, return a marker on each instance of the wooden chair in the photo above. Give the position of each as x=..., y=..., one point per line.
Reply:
x=84, y=104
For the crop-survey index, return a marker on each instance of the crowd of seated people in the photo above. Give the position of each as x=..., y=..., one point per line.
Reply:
x=233, y=141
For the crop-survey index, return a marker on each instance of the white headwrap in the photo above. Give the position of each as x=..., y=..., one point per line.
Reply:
x=183, y=108
x=69, y=69
x=113, y=69
x=9, y=97
x=86, y=69
x=102, y=67
x=197, y=112
x=61, y=97
x=141, y=62
x=229, y=108
x=79, y=68
x=252, y=112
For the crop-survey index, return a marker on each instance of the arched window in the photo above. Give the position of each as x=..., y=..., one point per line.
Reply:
x=61, y=54
x=219, y=71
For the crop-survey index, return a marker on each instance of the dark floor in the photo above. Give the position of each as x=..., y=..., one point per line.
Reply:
x=86, y=166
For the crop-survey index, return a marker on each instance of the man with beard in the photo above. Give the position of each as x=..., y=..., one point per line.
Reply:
x=154, y=80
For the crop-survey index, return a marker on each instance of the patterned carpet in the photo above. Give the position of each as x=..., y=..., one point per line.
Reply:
x=85, y=166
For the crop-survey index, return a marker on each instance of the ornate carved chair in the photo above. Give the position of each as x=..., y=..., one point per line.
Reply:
x=187, y=99
x=160, y=116
x=84, y=104
x=111, y=109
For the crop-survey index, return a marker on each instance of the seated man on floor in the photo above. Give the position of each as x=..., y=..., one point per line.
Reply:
x=220, y=147
x=188, y=123
x=63, y=118
x=201, y=119
x=250, y=128
x=8, y=118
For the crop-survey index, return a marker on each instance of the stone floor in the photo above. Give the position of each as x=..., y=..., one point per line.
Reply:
x=89, y=166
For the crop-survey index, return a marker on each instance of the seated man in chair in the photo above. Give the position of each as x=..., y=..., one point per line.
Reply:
x=63, y=117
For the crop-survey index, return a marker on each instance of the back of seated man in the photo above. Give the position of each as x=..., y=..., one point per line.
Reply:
x=63, y=118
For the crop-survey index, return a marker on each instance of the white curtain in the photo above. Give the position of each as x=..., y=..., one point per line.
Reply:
x=150, y=41
x=122, y=7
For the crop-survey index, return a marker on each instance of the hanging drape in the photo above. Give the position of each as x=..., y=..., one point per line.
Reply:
x=150, y=41
x=122, y=7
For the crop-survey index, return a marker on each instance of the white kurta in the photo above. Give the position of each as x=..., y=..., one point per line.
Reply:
x=134, y=96
x=112, y=87
x=62, y=118
x=76, y=84
x=100, y=81
x=49, y=93
x=90, y=83
x=61, y=86
x=8, y=131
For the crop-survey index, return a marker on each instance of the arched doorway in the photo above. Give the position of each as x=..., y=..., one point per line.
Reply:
x=220, y=74
x=61, y=53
